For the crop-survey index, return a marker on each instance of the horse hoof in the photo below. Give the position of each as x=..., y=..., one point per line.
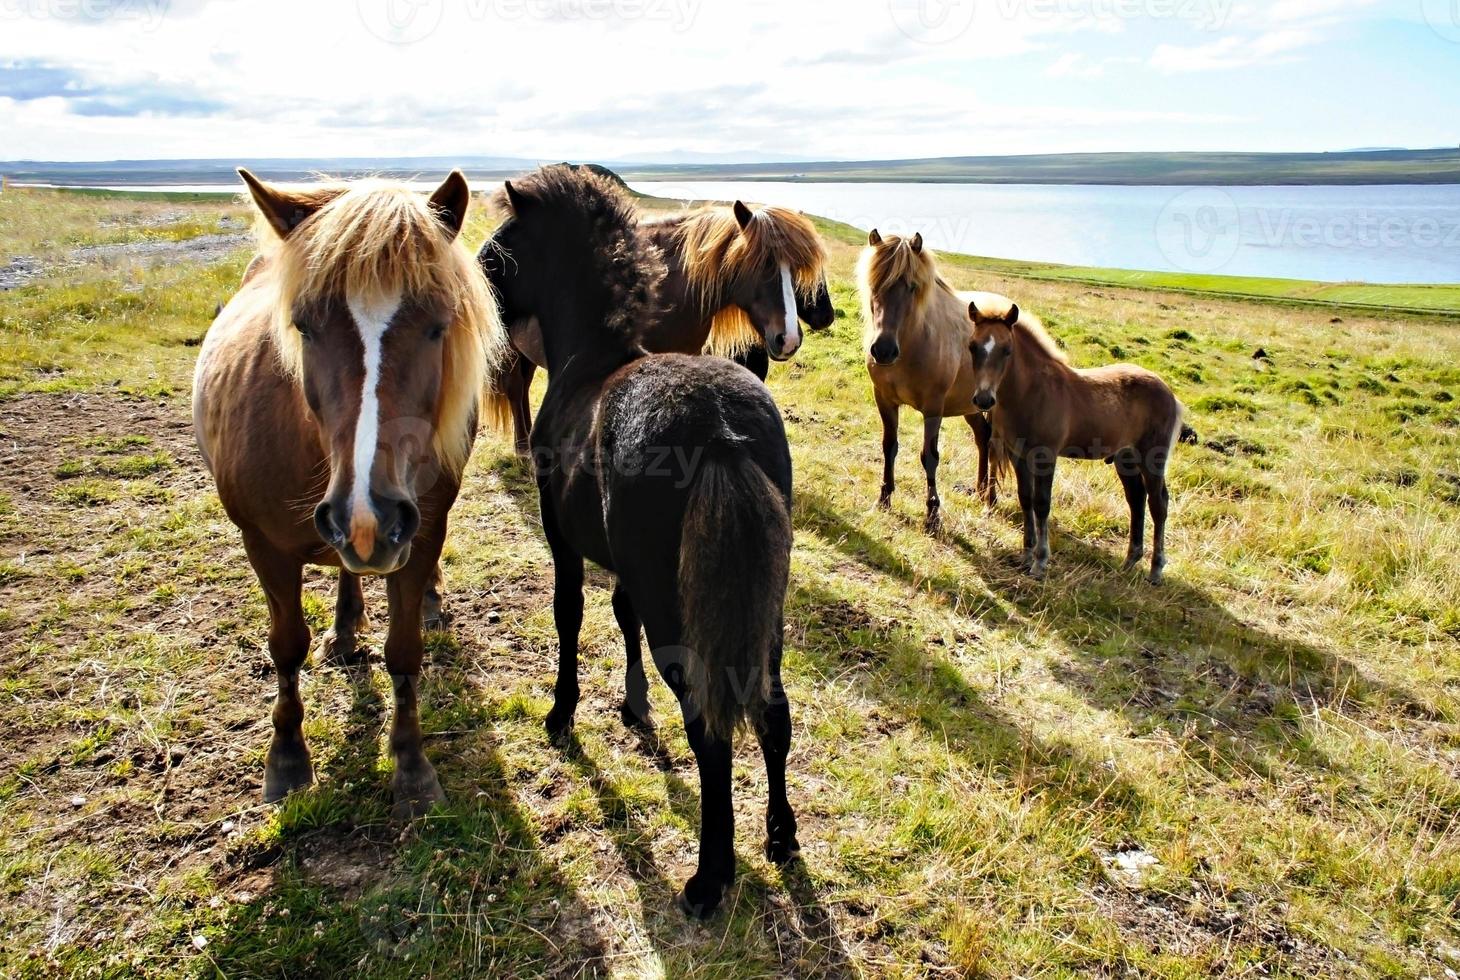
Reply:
x=342, y=649
x=1158, y=577
x=782, y=852
x=415, y=795
x=884, y=503
x=559, y=725
x=635, y=719
x=285, y=772
x=1037, y=572
x=1130, y=563
x=698, y=902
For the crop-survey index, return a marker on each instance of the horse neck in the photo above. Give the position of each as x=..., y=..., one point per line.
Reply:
x=573, y=332
x=1031, y=366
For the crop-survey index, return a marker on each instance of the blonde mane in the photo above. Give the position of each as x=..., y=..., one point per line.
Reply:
x=996, y=306
x=374, y=239
x=718, y=256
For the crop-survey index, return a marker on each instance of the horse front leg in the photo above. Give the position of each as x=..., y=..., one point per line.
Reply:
x=433, y=606
x=932, y=425
x=1025, y=481
x=983, y=432
x=1043, y=473
x=414, y=786
x=888, y=412
x=567, y=617
x=287, y=766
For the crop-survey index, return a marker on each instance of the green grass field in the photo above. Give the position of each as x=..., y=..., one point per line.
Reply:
x=1252, y=771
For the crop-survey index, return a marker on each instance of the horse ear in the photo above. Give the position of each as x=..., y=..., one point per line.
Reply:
x=450, y=202
x=917, y=242
x=973, y=311
x=284, y=211
x=515, y=198
x=743, y=215
x=1012, y=317
x=875, y=238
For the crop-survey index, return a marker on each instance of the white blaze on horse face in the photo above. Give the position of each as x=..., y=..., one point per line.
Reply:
x=372, y=319
x=793, y=324
x=988, y=347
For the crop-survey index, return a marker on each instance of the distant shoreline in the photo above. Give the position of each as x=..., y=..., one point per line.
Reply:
x=1364, y=167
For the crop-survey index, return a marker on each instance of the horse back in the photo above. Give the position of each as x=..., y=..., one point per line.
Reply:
x=1132, y=405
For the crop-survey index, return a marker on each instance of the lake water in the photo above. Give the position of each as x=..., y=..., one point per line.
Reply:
x=1382, y=234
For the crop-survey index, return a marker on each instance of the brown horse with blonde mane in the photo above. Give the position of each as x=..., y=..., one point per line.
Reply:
x=335, y=402
x=738, y=281
x=916, y=336
x=1041, y=408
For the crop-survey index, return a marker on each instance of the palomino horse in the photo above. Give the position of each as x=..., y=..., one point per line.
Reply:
x=916, y=335
x=670, y=471
x=1041, y=408
x=335, y=402
x=737, y=282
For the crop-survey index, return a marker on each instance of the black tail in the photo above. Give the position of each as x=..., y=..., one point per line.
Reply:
x=734, y=564
x=1188, y=435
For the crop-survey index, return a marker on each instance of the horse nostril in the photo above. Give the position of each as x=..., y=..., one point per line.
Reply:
x=324, y=523
x=402, y=522
x=984, y=401
x=780, y=341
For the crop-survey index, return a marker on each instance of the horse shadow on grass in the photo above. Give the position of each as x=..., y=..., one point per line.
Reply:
x=466, y=891
x=1170, y=658
x=799, y=931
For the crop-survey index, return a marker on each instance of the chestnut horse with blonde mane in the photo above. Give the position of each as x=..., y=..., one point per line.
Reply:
x=738, y=281
x=335, y=402
x=1041, y=408
x=916, y=337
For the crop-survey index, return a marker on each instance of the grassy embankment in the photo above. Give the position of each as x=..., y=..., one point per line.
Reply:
x=1277, y=727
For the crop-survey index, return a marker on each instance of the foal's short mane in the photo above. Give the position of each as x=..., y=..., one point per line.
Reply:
x=374, y=239
x=719, y=255
x=629, y=266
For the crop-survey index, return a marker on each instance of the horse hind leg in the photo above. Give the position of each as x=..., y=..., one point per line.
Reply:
x=774, y=734
x=635, y=707
x=1159, y=501
x=341, y=645
x=287, y=766
x=1128, y=468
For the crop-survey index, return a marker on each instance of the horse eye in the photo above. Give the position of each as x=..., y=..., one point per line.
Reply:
x=303, y=330
x=912, y=287
x=437, y=331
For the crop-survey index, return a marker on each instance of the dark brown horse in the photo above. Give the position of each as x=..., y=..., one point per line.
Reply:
x=733, y=277
x=1041, y=408
x=670, y=471
x=335, y=402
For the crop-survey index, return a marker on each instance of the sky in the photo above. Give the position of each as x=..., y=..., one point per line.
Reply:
x=741, y=79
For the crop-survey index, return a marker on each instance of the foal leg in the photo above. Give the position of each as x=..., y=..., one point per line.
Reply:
x=774, y=733
x=341, y=644
x=1043, y=495
x=414, y=786
x=932, y=425
x=1159, y=501
x=1025, y=481
x=888, y=412
x=1135, y=496
x=635, y=707
x=287, y=766
x=983, y=433
x=568, y=618
x=756, y=359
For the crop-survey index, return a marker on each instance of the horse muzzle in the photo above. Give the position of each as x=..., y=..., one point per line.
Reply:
x=885, y=352
x=984, y=400
x=374, y=543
